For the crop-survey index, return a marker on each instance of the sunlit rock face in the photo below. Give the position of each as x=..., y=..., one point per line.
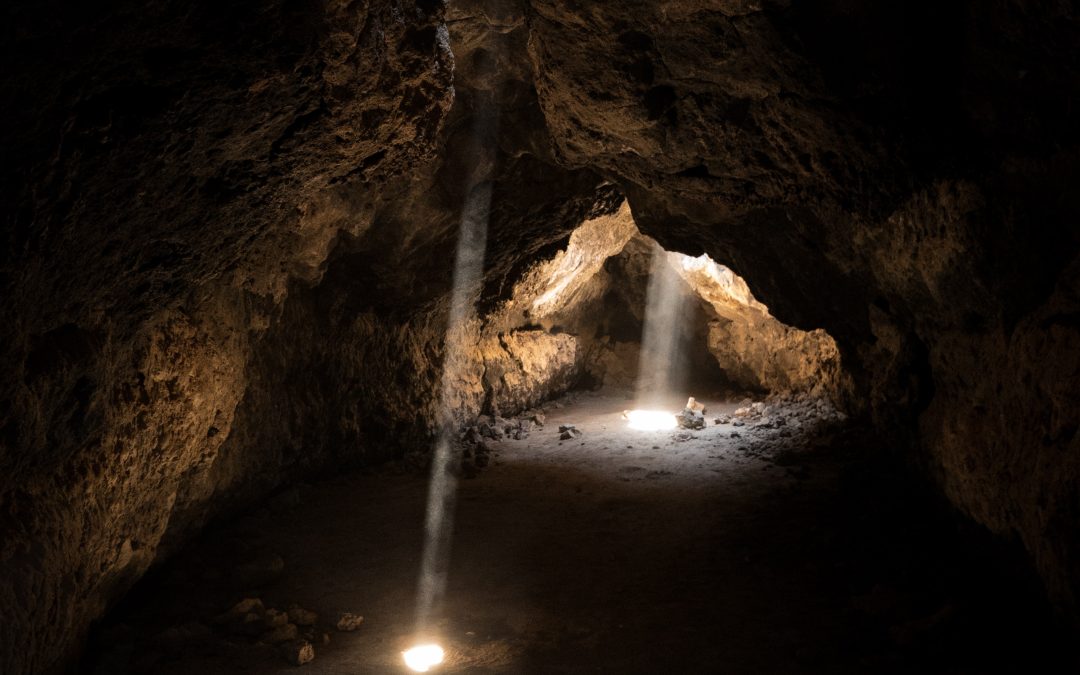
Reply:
x=754, y=350
x=583, y=313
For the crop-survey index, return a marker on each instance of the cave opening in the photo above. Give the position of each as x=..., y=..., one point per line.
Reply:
x=614, y=309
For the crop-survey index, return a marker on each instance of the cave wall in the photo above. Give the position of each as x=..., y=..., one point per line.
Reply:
x=729, y=339
x=753, y=348
x=168, y=167
x=346, y=371
x=224, y=257
x=899, y=175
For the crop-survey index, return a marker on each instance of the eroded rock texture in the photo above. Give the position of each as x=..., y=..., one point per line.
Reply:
x=168, y=167
x=228, y=228
x=898, y=175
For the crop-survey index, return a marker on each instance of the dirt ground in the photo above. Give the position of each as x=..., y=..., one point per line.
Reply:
x=779, y=550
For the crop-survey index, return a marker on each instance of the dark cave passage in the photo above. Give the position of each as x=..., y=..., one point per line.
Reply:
x=238, y=340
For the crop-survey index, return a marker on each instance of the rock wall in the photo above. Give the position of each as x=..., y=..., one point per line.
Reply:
x=591, y=299
x=168, y=166
x=224, y=255
x=755, y=350
x=899, y=175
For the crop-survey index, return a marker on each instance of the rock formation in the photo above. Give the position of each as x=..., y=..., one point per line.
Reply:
x=225, y=256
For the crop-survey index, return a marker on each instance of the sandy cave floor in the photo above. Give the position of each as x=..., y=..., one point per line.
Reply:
x=782, y=550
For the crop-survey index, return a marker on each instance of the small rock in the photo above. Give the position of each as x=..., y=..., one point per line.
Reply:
x=349, y=622
x=246, y=606
x=486, y=431
x=736, y=434
x=275, y=617
x=250, y=624
x=539, y=418
x=298, y=652
x=301, y=616
x=691, y=419
x=723, y=419
x=738, y=423
x=520, y=431
x=568, y=431
x=244, y=618
x=470, y=435
x=281, y=634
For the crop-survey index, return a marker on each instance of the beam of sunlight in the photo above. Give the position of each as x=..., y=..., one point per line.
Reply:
x=442, y=488
x=660, y=362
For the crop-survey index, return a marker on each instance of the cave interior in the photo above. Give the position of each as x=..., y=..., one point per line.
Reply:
x=683, y=336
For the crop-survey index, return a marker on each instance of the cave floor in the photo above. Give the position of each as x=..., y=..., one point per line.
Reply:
x=783, y=550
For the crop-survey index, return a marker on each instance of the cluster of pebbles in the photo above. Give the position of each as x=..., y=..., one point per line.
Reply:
x=294, y=630
x=475, y=439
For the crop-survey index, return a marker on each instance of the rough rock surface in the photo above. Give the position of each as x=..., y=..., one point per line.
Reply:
x=898, y=175
x=755, y=350
x=168, y=166
x=224, y=258
x=725, y=323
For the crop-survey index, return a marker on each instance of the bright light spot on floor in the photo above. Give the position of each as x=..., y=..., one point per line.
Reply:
x=651, y=420
x=422, y=658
